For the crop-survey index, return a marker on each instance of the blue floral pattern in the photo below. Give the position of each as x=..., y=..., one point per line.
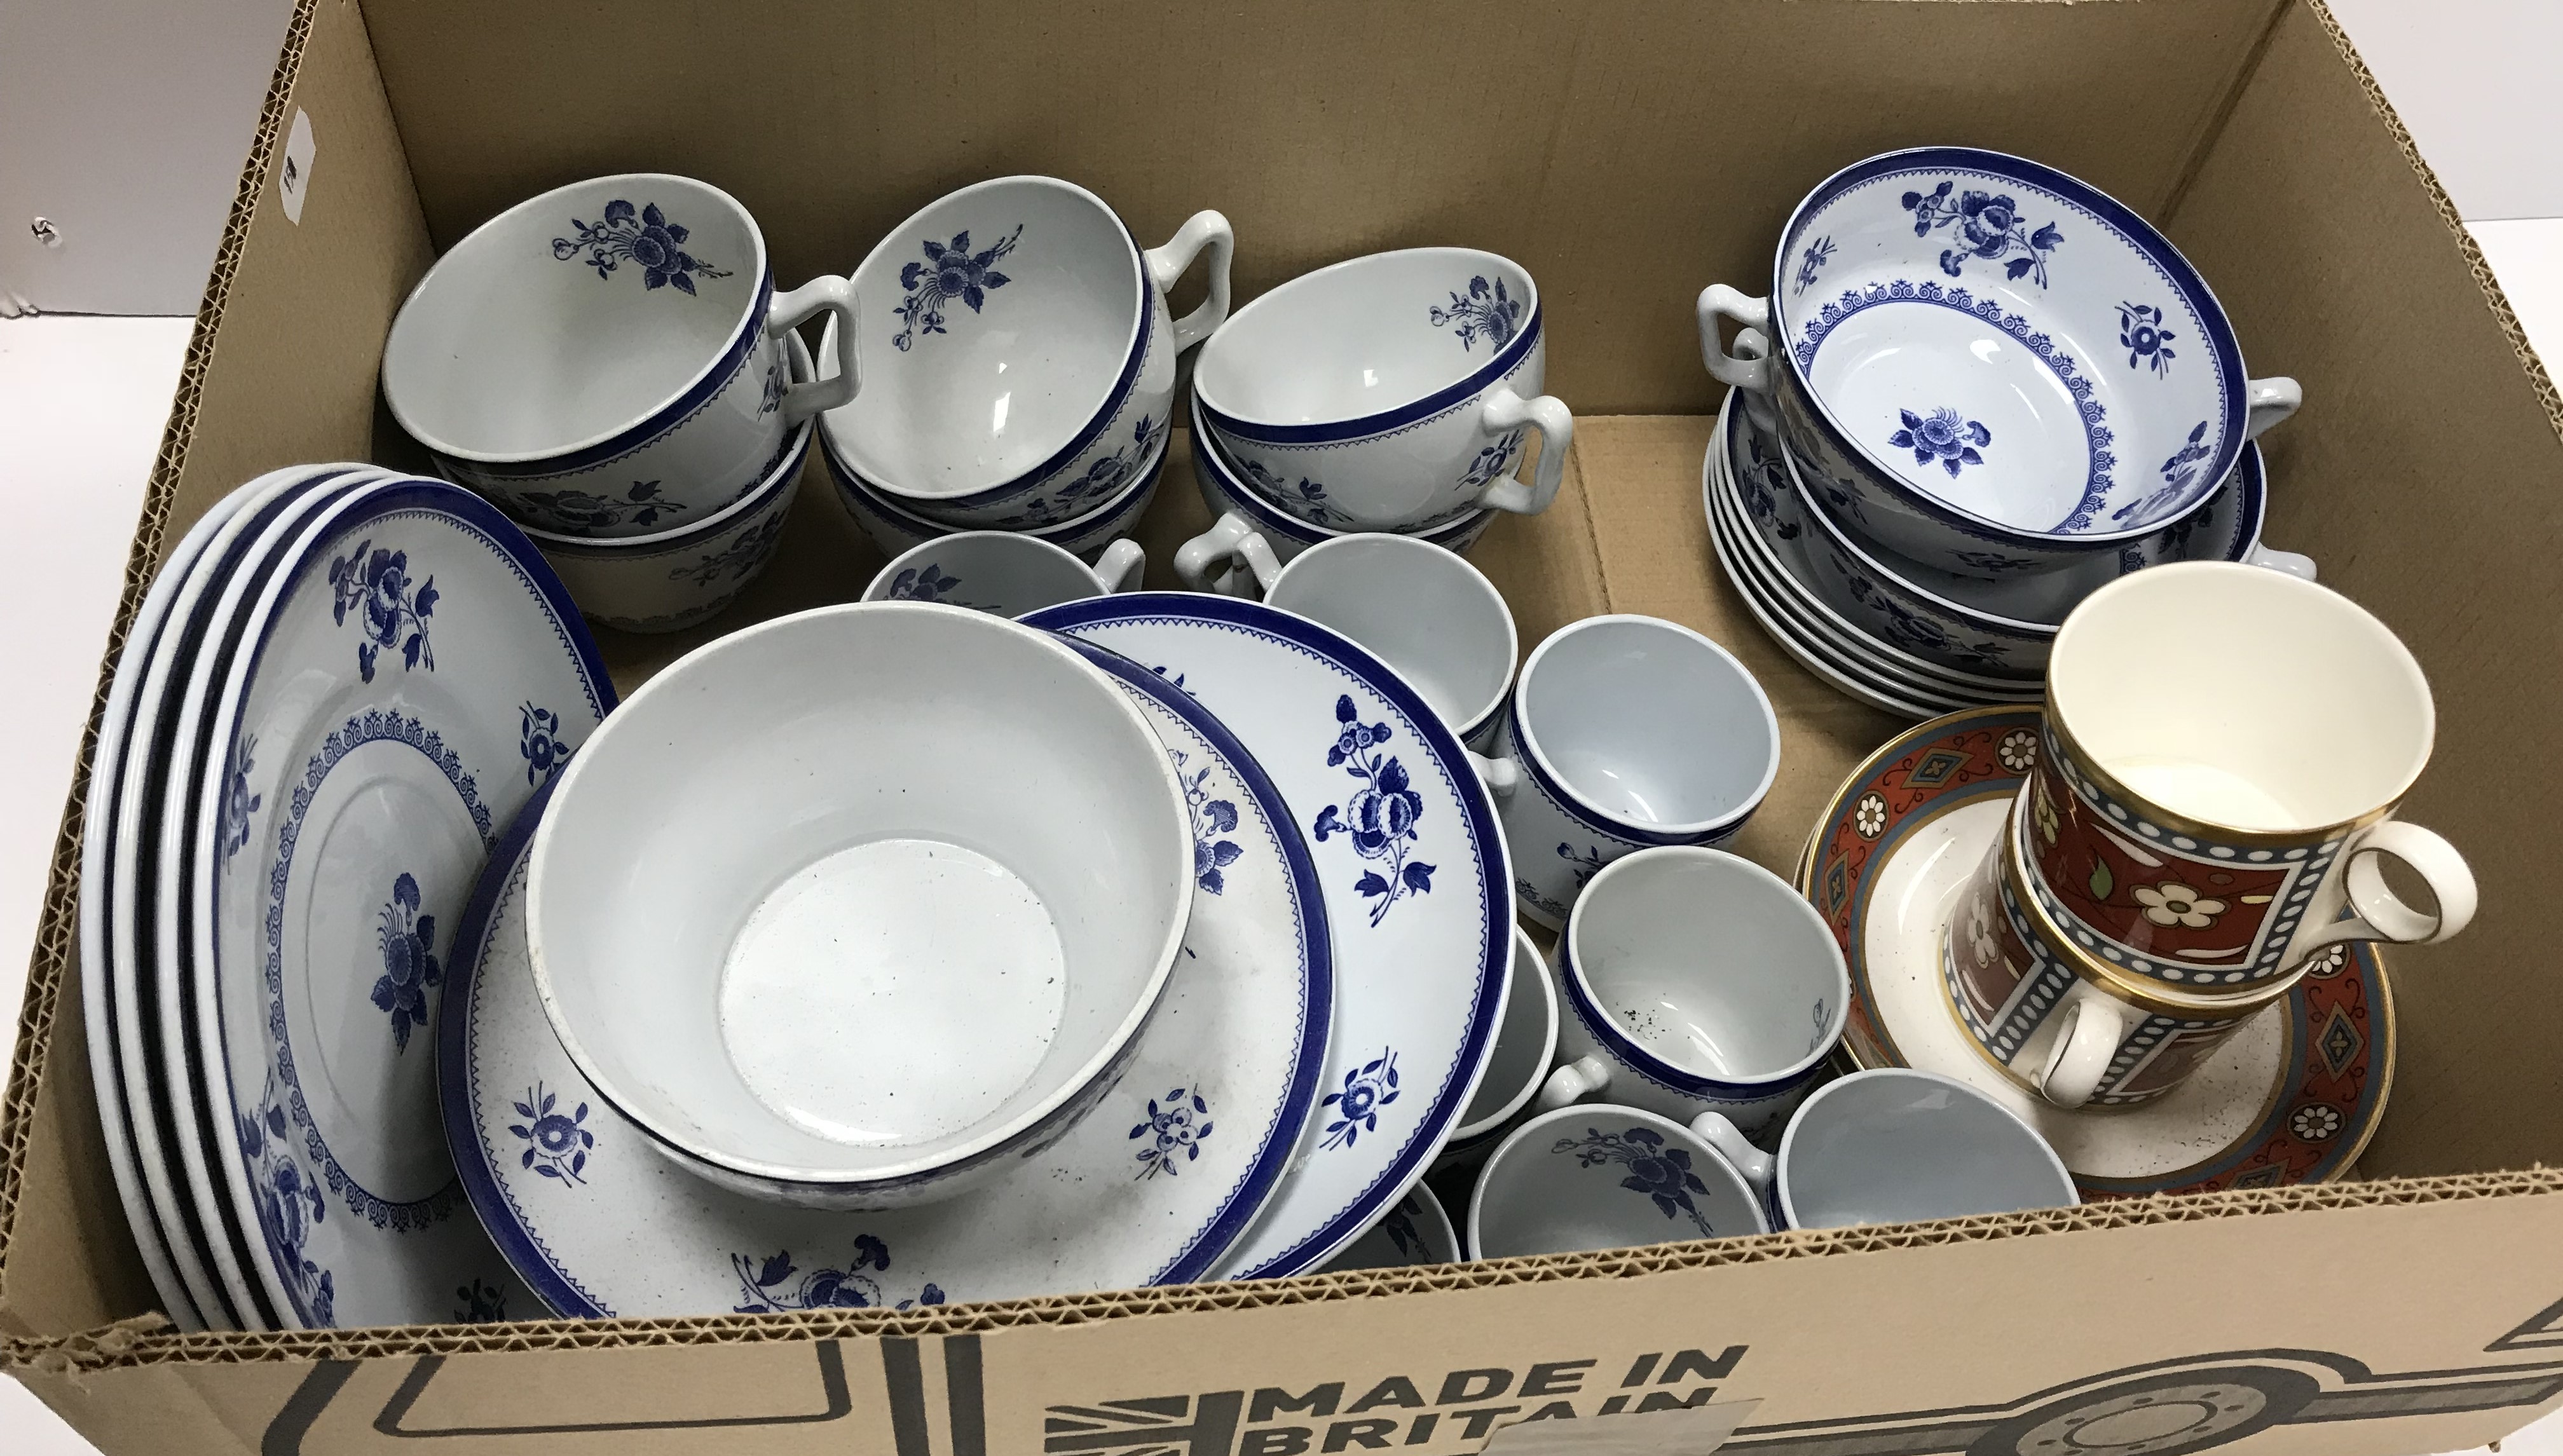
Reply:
x=1912, y=630
x=1401, y=1234
x=1104, y=478
x=1943, y=438
x=777, y=379
x=741, y=559
x=1992, y=561
x=483, y=1303
x=2179, y=474
x=1983, y=225
x=391, y=610
x=1367, y=1089
x=584, y=513
x=950, y=270
x=2142, y=335
x=539, y=739
x=1586, y=866
x=769, y=1285
x=1212, y=818
x=238, y=802
x=1494, y=460
x=645, y=239
x=926, y=583
x=1176, y=1125
x=1812, y=261
x=1308, y=500
x=410, y=969
x=556, y=1143
x=1486, y=312
x=1379, y=819
x=289, y=1205
x=1662, y=1173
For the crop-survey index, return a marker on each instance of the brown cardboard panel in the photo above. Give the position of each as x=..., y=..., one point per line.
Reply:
x=70, y=1204
x=2423, y=475
x=1627, y=152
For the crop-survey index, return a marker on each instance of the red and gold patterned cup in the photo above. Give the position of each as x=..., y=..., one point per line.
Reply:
x=2222, y=753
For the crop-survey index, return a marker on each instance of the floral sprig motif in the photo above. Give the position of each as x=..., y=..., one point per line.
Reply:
x=1367, y=1088
x=1943, y=438
x=410, y=969
x=1662, y=1173
x=1380, y=819
x=483, y=1303
x=928, y=583
x=289, y=1203
x=1585, y=865
x=1212, y=818
x=1812, y=261
x=1992, y=561
x=583, y=512
x=1176, y=1125
x=643, y=238
x=2147, y=343
x=538, y=740
x=556, y=1143
x=1486, y=312
x=391, y=612
x=1987, y=225
x=1401, y=1234
x=770, y=1288
x=776, y=379
x=1307, y=498
x=1494, y=460
x=950, y=270
x=1104, y=478
x=2179, y=472
x=740, y=558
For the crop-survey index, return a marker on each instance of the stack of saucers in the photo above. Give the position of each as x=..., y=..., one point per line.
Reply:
x=1997, y=390
x=342, y=687
x=1016, y=367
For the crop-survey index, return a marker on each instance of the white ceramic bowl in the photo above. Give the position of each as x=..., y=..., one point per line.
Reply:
x=1389, y=393
x=1017, y=354
x=857, y=907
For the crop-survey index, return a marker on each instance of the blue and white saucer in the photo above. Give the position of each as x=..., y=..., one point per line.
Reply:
x=401, y=671
x=1151, y=1188
x=1417, y=884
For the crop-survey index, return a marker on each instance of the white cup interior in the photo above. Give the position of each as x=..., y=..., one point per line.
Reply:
x=1525, y=1042
x=2224, y=738
x=1648, y=722
x=857, y=890
x=511, y=348
x=1364, y=337
x=1711, y=963
x=1893, y=1146
x=1005, y=386
x=1428, y=614
x=1559, y=1185
x=989, y=571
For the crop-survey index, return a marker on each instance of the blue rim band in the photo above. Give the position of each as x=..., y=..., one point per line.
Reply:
x=1336, y=431
x=1575, y=809
x=1654, y=1068
x=1268, y=517
x=730, y=518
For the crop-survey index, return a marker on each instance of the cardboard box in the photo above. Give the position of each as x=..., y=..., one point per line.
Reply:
x=1627, y=151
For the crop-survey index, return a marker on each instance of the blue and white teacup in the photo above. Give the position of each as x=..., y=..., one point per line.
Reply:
x=1003, y=573
x=607, y=359
x=1695, y=981
x=1990, y=366
x=1022, y=371
x=1625, y=732
x=1601, y=1176
x=1389, y=393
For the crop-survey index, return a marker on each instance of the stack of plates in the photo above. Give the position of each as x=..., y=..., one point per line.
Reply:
x=338, y=692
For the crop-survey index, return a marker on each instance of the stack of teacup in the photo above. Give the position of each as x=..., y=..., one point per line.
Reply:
x=1977, y=391
x=1395, y=393
x=610, y=364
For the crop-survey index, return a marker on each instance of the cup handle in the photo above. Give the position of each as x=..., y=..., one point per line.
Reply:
x=1229, y=537
x=1718, y=1132
x=1501, y=775
x=2294, y=564
x=2382, y=914
x=1505, y=411
x=1572, y=1082
x=1204, y=229
x=1121, y=565
x=2083, y=1047
x=1717, y=301
x=837, y=296
x=2266, y=402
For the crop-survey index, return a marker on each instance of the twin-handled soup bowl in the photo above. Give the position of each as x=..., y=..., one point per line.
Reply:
x=607, y=359
x=1992, y=366
x=861, y=906
x=1020, y=356
x=1389, y=393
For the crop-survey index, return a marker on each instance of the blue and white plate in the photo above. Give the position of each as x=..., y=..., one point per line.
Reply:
x=1417, y=885
x=1151, y=1188
x=405, y=672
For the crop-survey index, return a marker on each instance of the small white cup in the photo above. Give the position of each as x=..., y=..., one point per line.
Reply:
x=1607, y=1177
x=1695, y=981
x=1392, y=392
x=1003, y=573
x=1895, y=1146
x=1525, y=1046
x=1625, y=732
x=1426, y=611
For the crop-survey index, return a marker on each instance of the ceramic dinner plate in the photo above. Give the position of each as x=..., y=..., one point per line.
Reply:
x=1417, y=885
x=2291, y=1098
x=1151, y=1188
x=402, y=678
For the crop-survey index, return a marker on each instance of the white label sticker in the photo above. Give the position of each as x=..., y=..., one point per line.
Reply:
x=293, y=179
x=1695, y=1432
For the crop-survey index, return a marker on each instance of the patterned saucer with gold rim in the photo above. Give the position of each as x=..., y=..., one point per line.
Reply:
x=2291, y=1098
